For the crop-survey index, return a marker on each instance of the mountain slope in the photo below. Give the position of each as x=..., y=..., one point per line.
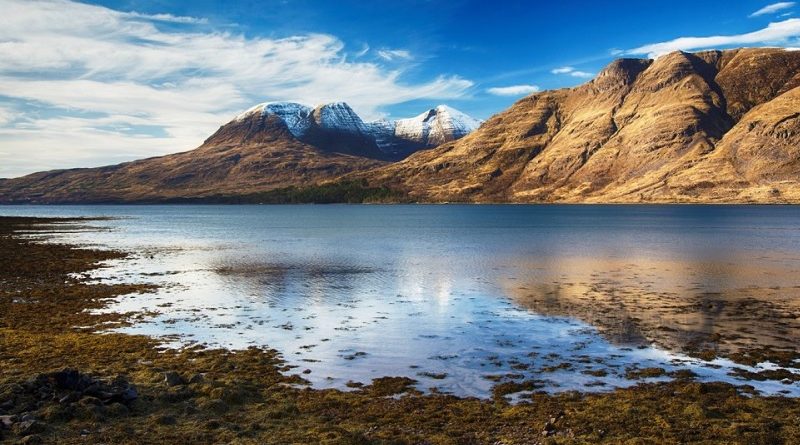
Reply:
x=249, y=155
x=712, y=126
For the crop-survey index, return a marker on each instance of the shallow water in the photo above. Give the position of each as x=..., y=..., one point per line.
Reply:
x=461, y=297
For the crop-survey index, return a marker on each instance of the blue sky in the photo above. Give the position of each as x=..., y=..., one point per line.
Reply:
x=85, y=84
x=490, y=43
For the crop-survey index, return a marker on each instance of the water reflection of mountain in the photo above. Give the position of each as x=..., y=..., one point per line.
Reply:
x=680, y=305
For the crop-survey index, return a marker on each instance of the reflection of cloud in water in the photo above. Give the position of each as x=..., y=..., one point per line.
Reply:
x=275, y=282
x=346, y=322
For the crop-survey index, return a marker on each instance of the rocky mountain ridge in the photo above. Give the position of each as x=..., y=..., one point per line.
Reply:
x=337, y=127
x=712, y=126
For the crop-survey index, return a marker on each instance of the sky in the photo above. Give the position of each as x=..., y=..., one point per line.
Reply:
x=93, y=83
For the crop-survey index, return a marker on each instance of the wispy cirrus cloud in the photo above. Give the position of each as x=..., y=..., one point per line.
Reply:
x=394, y=54
x=92, y=85
x=570, y=71
x=772, y=8
x=363, y=52
x=775, y=33
x=513, y=90
x=167, y=18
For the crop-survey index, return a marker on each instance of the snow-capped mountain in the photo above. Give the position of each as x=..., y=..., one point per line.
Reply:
x=436, y=126
x=429, y=129
x=339, y=116
x=336, y=127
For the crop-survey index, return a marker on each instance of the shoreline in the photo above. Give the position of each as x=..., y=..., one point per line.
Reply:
x=212, y=396
x=201, y=202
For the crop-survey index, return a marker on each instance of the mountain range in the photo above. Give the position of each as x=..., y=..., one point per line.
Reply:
x=335, y=127
x=711, y=126
x=272, y=145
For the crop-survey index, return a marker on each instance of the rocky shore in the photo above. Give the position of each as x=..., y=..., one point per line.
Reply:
x=62, y=380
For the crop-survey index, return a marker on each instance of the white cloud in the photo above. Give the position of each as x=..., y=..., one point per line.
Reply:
x=774, y=33
x=568, y=70
x=364, y=51
x=72, y=142
x=5, y=115
x=773, y=8
x=71, y=62
x=167, y=18
x=393, y=54
x=513, y=90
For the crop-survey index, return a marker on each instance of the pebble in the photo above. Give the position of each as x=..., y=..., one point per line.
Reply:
x=7, y=421
x=28, y=427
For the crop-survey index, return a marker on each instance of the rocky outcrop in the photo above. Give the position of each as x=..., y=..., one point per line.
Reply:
x=68, y=393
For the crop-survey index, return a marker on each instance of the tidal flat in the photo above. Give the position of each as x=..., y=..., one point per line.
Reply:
x=75, y=370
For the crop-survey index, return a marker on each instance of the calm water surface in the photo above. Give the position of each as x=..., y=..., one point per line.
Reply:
x=461, y=297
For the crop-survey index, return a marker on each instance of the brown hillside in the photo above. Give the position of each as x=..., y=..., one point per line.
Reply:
x=715, y=126
x=259, y=154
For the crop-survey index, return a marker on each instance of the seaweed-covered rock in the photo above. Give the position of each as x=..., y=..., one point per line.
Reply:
x=172, y=378
x=28, y=427
x=70, y=386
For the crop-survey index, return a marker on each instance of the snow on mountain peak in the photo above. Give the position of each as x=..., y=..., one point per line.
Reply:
x=396, y=138
x=294, y=115
x=465, y=122
x=339, y=116
x=436, y=126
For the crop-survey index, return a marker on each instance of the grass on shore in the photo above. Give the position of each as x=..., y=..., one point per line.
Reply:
x=339, y=192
